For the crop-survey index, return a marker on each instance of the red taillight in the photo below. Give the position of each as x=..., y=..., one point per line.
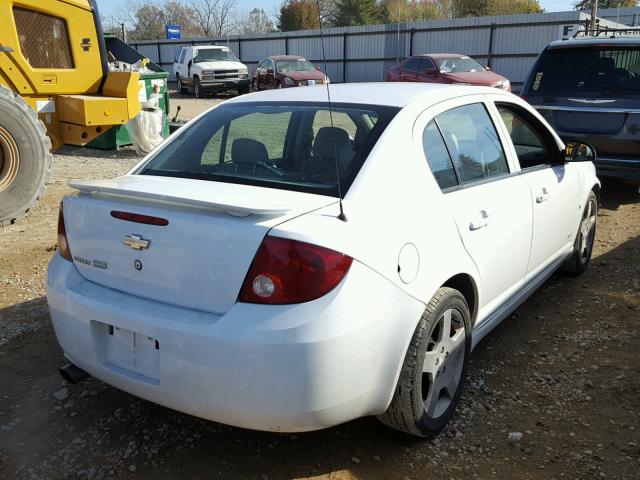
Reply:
x=138, y=218
x=63, y=243
x=287, y=271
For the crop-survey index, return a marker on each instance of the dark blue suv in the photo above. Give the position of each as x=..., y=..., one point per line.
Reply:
x=588, y=89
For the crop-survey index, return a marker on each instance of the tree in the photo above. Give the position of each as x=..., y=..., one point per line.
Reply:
x=257, y=21
x=587, y=4
x=213, y=17
x=178, y=13
x=298, y=15
x=356, y=12
x=483, y=8
x=393, y=11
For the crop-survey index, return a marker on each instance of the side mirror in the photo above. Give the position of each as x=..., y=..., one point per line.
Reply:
x=487, y=68
x=579, y=152
x=269, y=70
x=318, y=68
x=431, y=71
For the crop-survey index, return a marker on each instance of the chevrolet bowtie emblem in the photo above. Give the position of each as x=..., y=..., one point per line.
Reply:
x=136, y=242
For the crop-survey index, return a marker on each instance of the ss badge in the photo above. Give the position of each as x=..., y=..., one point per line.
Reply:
x=137, y=264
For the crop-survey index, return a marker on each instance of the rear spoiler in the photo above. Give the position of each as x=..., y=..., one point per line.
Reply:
x=210, y=195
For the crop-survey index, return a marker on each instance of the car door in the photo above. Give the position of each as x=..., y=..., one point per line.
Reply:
x=554, y=185
x=258, y=74
x=180, y=70
x=270, y=74
x=490, y=203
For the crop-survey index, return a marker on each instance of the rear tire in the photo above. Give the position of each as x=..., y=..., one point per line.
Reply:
x=434, y=368
x=25, y=157
x=583, y=246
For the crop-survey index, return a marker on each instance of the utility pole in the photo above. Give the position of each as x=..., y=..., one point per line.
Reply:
x=124, y=33
x=594, y=14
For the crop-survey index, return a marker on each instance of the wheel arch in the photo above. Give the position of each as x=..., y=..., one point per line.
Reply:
x=465, y=284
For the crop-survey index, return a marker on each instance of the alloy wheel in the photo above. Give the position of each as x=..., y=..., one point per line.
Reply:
x=443, y=363
x=588, y=229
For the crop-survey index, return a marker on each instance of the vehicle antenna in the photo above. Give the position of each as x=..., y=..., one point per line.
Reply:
x=342, y=216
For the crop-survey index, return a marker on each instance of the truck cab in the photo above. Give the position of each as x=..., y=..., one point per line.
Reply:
x=209, y=69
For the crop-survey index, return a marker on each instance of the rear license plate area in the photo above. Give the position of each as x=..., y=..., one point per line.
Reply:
x=127, y=352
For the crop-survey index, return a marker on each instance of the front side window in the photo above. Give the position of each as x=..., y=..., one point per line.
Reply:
x=531, y=147
x=44, y=40
x=182, y=55
x=473, y=143
x=290, y=146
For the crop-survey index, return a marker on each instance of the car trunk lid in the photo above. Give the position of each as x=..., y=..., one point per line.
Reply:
x=199, y=258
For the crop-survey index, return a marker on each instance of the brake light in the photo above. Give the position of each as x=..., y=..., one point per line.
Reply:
x=139, y=218
x=287, y=271
x=63, y=243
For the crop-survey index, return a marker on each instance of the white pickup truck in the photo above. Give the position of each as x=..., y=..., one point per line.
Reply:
x=209, y=68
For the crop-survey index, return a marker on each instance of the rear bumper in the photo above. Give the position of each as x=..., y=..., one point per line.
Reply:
x=224, y=84
x=278, y=368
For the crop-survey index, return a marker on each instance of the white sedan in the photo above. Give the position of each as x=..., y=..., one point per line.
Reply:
x=223, y=277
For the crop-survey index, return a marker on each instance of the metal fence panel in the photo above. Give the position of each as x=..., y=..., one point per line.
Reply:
x=509, y=43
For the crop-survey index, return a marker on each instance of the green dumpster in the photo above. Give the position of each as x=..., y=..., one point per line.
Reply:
x=118, y=135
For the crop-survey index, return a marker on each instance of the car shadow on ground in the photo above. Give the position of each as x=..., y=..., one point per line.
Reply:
x=616, y=193
x=93, y=429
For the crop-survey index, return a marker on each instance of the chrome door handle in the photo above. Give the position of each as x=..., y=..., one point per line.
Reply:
x=543, y=196
x=480, y=221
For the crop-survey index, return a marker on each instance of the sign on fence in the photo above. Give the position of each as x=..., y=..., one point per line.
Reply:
x=173, y=32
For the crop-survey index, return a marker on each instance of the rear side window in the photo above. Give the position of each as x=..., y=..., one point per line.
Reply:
x=44, y=41
x=413, y=64
x=438, y=157
x=473, y=143
x=285, y=146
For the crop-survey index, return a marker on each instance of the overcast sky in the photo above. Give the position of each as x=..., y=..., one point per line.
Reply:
x=108, y=7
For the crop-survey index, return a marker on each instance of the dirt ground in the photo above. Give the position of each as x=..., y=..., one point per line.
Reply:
x=564, y=371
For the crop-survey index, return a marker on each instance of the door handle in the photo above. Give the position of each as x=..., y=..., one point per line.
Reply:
x=480, y=221
x=543, y=195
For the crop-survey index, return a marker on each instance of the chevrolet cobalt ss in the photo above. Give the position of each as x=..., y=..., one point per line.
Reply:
x=222, y=276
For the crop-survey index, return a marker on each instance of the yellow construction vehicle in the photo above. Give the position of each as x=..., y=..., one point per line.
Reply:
x=55, y=89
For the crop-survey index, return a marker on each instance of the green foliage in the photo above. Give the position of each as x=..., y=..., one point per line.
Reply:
x=356, y=12
x=298, y=15
x=587, y=4
x=482, y=8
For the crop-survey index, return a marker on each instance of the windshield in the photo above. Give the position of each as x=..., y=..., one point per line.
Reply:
x=300, y=65
x=588, y=71
x=459, y=64
x=213, y=54
x=287, y=146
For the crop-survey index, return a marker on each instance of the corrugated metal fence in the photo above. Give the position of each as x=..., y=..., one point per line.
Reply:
x=508, y=44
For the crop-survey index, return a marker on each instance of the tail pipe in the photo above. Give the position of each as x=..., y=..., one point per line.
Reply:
x=72, y=373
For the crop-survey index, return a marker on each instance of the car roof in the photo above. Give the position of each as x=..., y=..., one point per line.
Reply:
x=287, y=57
x=595, y=41
x=393, y=94
x=442, y=55
x=209, y=47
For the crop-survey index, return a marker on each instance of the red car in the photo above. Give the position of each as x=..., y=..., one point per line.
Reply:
x=446, y=68
x=282, y=71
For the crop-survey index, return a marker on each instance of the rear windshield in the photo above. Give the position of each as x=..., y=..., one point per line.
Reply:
x=287, y=146
x=605, y=71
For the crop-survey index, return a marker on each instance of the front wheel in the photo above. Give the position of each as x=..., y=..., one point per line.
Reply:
x=197, y=88
x=434, y=368
x=180, y=87
x=583, y=245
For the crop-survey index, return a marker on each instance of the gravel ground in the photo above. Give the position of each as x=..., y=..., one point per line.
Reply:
x=552, y=393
